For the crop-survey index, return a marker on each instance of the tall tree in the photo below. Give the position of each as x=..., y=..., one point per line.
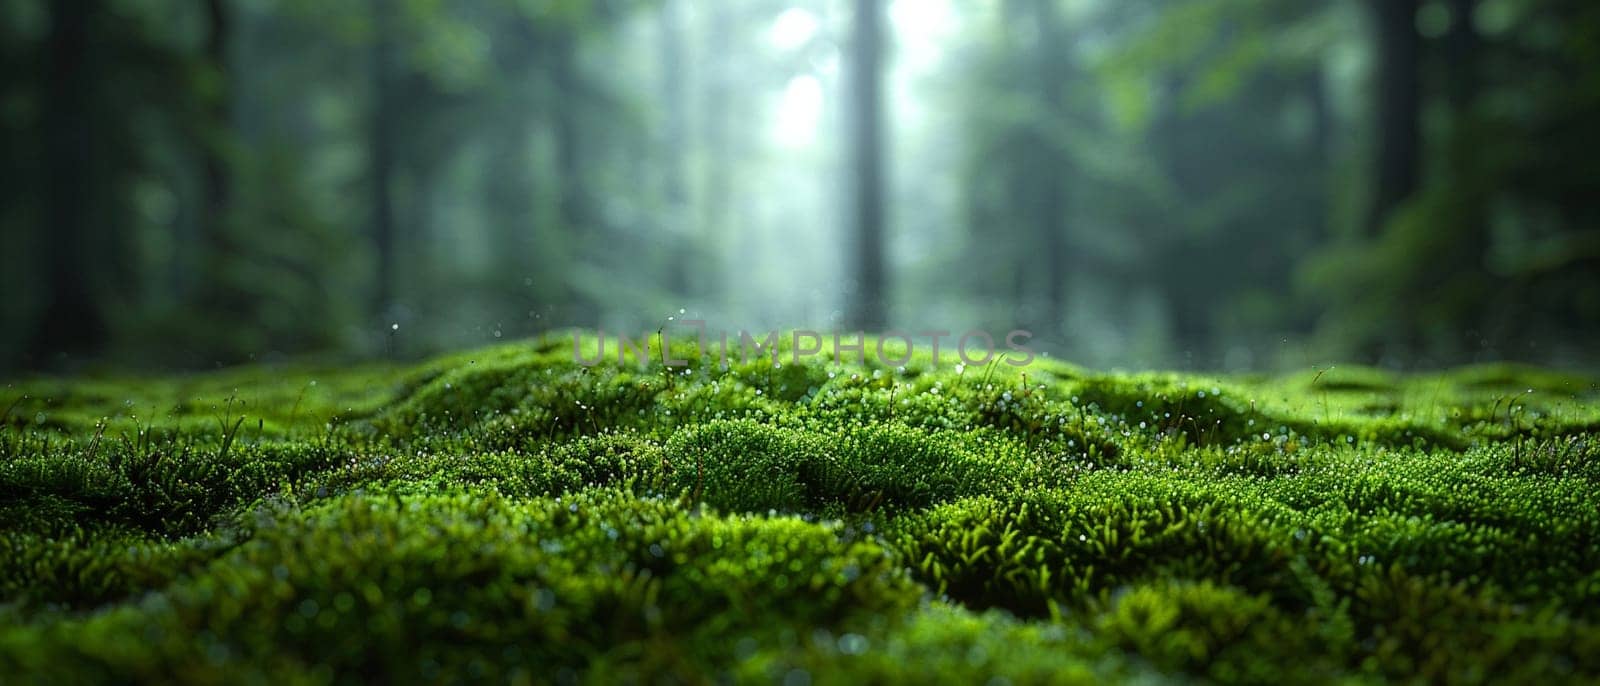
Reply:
x=1398, y=48
x=869, y=311
x=673, y=129
x=212, y=248
x=1319, y=145
x=716, y=134
x=1462, y=43
x=1051, y=164
x=217, y=184
x=575, y=205
x=72, y=321
x=382, y=143
x=512, y=185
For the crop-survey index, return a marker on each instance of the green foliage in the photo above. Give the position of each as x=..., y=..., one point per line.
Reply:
x=507, y=514
x=473, y=584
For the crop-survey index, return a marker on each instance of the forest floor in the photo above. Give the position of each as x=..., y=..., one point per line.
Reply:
x=509, y=515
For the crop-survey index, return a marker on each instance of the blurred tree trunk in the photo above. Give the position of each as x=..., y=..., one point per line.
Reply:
x=510, y=193
x=1465, y=269
x=382, y=150
x=1321, y=152
x=217, y=190
x=1051, y=173
x=72, y=322
x=869, y=311
x=1399, y=107
x=715, y=189
x=574, y=207
x=511, y=188
x=681, y=241
x=1190, y=313
x=1461, y=54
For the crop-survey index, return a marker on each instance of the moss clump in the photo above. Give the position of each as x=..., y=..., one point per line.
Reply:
x=509, y=514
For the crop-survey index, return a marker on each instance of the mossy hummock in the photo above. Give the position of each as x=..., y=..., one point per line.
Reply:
x=509, y=514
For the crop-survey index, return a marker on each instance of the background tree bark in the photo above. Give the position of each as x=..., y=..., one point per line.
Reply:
x=382, y=170
x=1398, y=107
x=72, y=322
x=868, y=309
x=1053, y=168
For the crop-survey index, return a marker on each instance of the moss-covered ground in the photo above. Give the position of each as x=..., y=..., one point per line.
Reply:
x=510, y=515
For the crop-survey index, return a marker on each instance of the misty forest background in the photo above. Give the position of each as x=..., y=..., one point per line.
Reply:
x=1222, y=184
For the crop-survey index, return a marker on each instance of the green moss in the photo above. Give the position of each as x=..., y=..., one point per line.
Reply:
x=508, y=514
